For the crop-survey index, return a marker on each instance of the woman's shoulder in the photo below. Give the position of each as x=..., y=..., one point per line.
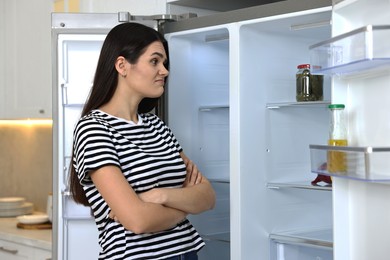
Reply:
x=153, y=118
x=94, y=119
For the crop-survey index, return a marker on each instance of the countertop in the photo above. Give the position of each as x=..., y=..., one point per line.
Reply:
x=35, y=238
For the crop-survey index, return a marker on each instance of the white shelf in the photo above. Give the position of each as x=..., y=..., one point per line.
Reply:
x=322, y=238
x=370, y=164
x=212, y=107
x=360, y=50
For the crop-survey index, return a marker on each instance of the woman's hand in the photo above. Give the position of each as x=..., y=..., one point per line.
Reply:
x=194, y=176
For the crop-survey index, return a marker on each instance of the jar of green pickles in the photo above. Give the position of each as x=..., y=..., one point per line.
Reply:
x=309, y=87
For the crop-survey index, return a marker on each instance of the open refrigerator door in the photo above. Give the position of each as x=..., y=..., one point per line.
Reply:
x=76, y=44
x=358, y=59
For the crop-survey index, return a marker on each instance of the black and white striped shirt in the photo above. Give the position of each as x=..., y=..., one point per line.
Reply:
x=148, y=155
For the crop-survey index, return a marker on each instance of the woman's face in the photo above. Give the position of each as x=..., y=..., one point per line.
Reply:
x=147, y=76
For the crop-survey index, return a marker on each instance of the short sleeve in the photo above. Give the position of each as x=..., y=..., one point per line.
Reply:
x=93, y=148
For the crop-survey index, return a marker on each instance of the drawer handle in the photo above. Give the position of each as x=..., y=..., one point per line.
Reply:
x=11, y=251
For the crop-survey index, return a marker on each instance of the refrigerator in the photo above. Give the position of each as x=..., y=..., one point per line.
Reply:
x=230, y=101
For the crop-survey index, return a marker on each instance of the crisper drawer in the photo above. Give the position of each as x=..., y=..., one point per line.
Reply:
x=302, y=245
x=298, y=252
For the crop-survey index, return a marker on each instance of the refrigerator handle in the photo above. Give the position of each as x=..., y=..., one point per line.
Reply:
x=124, y=17
x=64, y=91
x=127, y=17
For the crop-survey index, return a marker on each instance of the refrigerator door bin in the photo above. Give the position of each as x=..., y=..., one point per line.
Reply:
x=358, y=50
x=72, y=210
x=369, y=164
x=77, y=232
x=302, y=245
x=77, y=63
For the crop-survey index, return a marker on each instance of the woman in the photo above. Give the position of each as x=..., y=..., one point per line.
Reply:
x=127, y=164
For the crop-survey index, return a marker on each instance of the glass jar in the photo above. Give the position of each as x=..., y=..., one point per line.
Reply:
x=309, y=87
x=337, y=137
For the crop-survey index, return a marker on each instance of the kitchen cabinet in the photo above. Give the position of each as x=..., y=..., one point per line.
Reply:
x=25, y=59
x=15, y=251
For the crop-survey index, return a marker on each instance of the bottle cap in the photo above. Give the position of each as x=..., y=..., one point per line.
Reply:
x=304, y=66
x=336, y=106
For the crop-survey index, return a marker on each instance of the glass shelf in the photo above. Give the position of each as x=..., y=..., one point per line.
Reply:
x=215, y=180
x=276, y=105
x=369, y=164
x=360, y=50
x=318, y=238
x=74, y=105
x=306, y=185
x=222, y=237
x=213, y=107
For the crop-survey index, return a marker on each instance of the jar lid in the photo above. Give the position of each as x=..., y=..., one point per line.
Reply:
x=304, y=66
x=336, y=106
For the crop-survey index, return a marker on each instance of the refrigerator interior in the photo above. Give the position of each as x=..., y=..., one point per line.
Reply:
x=276, y=156
x=77, y=59
x=241, y=77
x=198, y=114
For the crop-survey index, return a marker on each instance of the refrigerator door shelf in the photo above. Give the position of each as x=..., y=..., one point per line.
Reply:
x=368, y=164
x=71, y=210
x=353, y=52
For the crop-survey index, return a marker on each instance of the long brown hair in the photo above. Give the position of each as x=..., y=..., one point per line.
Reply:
x=129, y=40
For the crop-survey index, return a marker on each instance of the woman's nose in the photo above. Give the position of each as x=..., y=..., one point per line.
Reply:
x=164, y=71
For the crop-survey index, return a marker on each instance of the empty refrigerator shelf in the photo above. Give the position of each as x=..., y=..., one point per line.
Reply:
x=356, y=51
x=276, y=105
x=212, y=107
x=315, y=238
x=222, y=237
x=298, y=185
x=369, y=164
x=215, y=180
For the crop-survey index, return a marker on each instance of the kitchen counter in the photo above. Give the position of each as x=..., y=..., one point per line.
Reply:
x=33, y=238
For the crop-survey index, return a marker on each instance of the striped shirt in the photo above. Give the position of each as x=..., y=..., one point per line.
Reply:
x=148, y=155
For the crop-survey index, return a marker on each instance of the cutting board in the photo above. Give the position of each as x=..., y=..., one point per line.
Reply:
x=46, y=225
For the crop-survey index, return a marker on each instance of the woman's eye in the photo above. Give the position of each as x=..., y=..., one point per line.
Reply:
x=154, y=61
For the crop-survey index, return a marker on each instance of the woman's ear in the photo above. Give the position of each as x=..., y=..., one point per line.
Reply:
x=120, y=66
